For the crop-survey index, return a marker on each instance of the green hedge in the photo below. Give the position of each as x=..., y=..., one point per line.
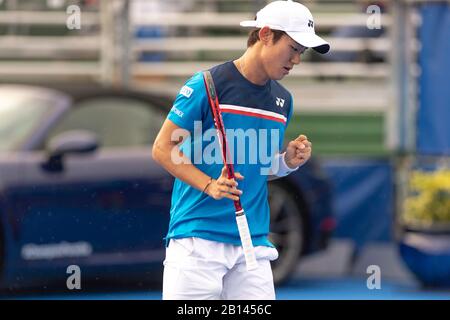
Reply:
x=341, y=133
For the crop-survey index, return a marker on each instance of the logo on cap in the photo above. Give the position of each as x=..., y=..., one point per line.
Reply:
x=311, y=23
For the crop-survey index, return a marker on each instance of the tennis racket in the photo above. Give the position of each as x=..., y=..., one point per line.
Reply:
x=241, y=220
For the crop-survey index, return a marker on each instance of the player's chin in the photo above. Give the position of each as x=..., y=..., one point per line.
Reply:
x=279, y=76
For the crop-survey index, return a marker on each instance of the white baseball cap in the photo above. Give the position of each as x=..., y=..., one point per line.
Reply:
x=293, y=18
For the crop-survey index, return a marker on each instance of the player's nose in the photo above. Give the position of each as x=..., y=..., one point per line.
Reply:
x=295, y=59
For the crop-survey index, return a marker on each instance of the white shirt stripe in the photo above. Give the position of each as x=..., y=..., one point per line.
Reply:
x=253, y=110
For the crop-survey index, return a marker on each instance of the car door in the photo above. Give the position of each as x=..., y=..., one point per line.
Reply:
x=110, y=206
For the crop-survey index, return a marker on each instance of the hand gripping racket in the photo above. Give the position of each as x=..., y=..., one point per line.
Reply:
x=241, y=220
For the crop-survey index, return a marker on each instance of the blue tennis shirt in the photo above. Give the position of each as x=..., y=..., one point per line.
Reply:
x=255, y=118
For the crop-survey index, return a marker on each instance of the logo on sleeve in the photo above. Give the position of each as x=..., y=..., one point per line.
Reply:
x=177, y=112
x=186, y=91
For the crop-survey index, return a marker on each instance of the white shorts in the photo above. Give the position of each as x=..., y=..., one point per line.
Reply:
x=199, y=269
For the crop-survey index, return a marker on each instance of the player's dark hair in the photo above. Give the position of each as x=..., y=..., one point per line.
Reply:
x=253, y=37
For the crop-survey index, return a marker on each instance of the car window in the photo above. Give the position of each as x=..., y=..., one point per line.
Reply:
x=117, y=121
x=20, y=115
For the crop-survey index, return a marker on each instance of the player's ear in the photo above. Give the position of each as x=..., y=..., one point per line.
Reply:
x=265, y=35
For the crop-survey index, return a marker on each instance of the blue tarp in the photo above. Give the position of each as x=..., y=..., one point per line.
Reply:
x=433, y=119
x=363, y=198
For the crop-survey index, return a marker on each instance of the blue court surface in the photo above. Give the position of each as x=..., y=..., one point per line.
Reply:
x=356, y=289
x=299, y=289
x=324, y=276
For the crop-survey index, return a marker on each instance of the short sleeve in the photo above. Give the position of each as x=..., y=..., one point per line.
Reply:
x=289, y=116
x=291, y=110
x=191, y=103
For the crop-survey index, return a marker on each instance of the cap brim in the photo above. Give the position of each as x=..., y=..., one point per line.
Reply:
x=248, y=23
x=310, y=40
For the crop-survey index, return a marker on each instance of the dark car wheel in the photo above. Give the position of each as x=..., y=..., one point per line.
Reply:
x=287, y=230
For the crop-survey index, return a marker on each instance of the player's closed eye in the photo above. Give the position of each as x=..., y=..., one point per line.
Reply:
x=296, y=50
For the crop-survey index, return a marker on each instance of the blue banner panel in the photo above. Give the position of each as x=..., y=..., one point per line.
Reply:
x=363, y=198
x=433, y=128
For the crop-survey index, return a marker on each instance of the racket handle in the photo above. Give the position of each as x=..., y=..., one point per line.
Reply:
x=246, y=240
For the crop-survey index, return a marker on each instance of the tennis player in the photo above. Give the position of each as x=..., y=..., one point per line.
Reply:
x=204, y=257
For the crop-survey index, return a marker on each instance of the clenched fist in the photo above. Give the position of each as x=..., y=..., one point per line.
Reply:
x=298, y=151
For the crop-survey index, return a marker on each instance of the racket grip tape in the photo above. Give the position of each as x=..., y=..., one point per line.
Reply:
x=246, y=240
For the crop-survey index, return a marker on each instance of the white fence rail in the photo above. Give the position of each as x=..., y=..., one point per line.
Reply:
x=188, y=44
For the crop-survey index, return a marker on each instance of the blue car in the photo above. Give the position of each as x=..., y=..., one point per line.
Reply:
x=78, y=186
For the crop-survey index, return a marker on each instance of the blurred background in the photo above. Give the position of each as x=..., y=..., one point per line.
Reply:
x=85, y=86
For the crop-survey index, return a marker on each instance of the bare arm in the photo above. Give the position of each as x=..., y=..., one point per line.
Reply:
x=163, y=153
x=297, y=153
x=167, y=153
